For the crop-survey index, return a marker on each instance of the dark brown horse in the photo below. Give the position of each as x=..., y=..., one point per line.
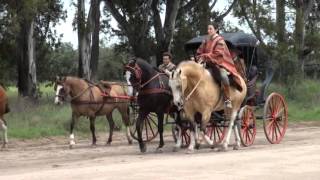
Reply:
x=4, y=108
x=154, y=95
x=87, y=100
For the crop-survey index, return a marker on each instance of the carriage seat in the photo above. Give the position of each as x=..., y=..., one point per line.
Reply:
x=251, y=83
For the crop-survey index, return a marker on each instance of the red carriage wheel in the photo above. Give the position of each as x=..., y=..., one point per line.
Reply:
x=247, y=126
x=275, y=118
x=149, y=128
x=216, y=131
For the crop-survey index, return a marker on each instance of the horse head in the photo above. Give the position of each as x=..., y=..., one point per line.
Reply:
x=62, y=90
x=133, y=75
x=178, y=84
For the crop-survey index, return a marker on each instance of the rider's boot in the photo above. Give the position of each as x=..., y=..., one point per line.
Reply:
x=226, y=93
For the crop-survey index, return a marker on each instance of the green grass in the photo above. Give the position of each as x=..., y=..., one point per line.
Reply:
x=303, y=100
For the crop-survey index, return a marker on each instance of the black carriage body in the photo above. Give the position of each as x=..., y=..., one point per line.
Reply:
x=248, y=46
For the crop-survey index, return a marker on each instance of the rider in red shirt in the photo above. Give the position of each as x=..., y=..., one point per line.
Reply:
x=214, y=51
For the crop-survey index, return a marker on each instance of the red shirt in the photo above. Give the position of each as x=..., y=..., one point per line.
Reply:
x=214, y=50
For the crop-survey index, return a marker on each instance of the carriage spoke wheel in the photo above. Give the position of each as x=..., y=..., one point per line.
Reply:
x=216, y=131
x=185, y=135
x=247, y=126
x=149, y=127
x=275, y=118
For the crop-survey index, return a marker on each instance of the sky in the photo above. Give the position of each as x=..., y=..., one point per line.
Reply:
x=65, y=27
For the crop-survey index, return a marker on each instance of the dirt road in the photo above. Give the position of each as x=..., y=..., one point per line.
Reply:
x=297, y=157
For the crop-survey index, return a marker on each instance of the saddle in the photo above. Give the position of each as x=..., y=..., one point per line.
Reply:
x=105, y=88
x=215, y=73
x=251, y=84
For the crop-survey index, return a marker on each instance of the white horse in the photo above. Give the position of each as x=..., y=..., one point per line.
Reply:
x=195, y=91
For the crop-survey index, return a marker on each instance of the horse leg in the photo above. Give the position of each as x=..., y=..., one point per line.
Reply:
x=72, y=123
x=179, y=138
x=236, y=136
x=139, y=125
x=125, y=118
x=197, y=137
x=231, y=124
x=111, y=127
x=5, y=136
x=204, y=121
x=192, y=138
x=160, y=130
x=93, y=129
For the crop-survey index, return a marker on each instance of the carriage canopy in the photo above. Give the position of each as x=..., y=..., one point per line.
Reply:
x=235, y=39
x=242, y=42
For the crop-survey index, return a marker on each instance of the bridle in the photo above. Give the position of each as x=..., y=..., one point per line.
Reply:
x=138, y=85
x=63, y=97
x=136, y=70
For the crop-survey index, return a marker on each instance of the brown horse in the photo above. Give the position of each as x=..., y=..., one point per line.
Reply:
x=87, y=100
x=4, y=108
x=195, y=91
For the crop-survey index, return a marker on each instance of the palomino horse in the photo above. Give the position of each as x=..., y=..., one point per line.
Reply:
x=87, y=100
x=153, y=95
x=195, y=91
x=4, y=108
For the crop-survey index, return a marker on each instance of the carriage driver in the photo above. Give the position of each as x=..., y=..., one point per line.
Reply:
x=214, y=51
x=167, y=66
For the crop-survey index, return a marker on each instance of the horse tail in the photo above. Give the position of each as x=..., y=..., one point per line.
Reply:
x=7, y=108
x=128, y=110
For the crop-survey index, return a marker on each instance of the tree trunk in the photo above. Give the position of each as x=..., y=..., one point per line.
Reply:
x=164, y=34
x=84, y=70
x=94, y=61
x=299, y=33
x=303, y=9
x=27, y=75
x=280, y=24
x=204, y=16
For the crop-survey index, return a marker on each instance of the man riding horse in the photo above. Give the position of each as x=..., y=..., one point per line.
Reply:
x=214, y=52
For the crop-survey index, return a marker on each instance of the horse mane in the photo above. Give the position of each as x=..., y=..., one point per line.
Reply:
x=143, y=62
x=192, y=68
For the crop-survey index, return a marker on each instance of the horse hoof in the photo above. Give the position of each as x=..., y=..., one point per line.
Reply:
x=197, y=146
x=236, y=147
x=143, y=149
x=175, y=149
x=71, y=144
x=190, y=151
x=214, y=146
x=3, y=147
x=159, y=150
x=224, y=148
x=130, y=142
x=93, y=145
x=108, y=143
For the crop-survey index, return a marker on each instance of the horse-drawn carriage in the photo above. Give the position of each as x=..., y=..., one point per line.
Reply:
x=275, y=114
x=155, y=97
x=245, y=48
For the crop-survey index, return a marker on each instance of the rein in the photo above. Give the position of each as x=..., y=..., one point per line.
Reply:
x=194, y=88
x=81, y=93
x=155, y=76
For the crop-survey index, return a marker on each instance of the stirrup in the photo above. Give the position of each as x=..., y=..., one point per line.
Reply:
x=228, y=103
